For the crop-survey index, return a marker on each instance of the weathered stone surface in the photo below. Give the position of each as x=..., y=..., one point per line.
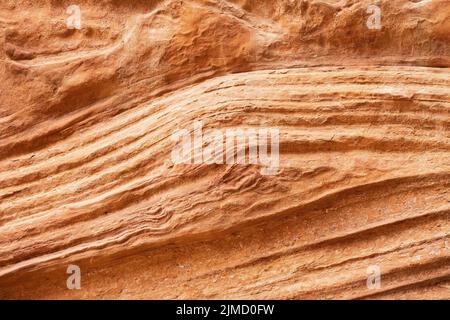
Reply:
x=86, y=177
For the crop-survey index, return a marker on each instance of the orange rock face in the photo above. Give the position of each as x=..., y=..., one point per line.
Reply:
x=92, y=94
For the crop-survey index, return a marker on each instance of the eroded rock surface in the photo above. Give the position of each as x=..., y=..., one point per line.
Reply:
x=86, y=177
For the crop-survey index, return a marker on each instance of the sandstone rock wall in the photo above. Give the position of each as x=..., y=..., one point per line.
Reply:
x=86, y=177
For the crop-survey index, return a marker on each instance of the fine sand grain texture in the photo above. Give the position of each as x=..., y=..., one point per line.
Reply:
x=87, y=118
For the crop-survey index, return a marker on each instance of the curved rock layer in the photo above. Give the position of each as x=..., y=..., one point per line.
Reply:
x=86, y=176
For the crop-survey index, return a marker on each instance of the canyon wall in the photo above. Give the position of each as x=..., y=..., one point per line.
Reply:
x=87, y=121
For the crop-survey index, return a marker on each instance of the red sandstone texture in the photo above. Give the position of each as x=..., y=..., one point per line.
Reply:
x=86, y=177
